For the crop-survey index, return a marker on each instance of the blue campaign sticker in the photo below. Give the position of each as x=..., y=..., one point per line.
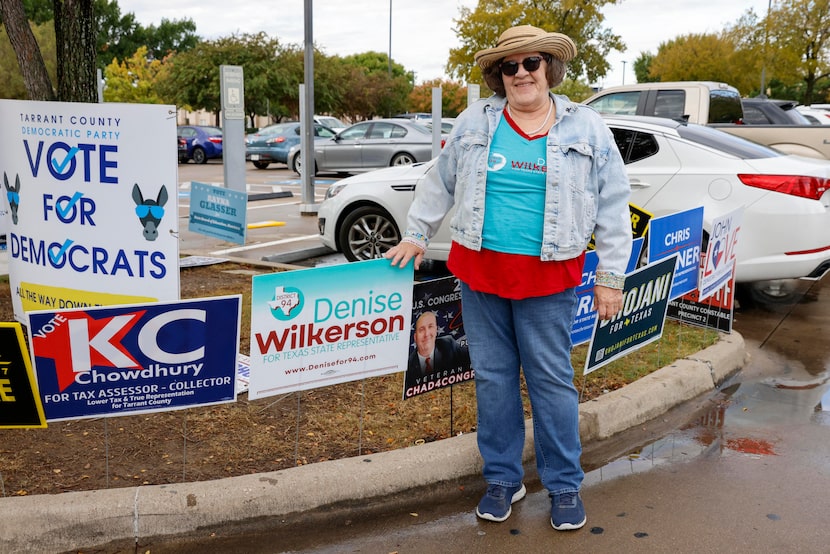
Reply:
x=218, y=212
x=136, y=359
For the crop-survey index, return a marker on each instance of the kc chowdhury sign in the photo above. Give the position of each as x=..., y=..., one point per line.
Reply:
x=90, y=196
x=317, y=327
x=125, y=360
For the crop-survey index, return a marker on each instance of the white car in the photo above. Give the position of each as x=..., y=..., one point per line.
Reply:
x=672, y=166
x=816, y=115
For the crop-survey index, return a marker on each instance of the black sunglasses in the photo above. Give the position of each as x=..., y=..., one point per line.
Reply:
x=530, y=64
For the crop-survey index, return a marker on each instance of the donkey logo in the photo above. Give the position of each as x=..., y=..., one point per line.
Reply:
x=13, y=195
x=150, y=211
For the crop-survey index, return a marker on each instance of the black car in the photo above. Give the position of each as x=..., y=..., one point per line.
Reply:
x=766, y=111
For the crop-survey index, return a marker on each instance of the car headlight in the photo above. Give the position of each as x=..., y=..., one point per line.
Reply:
x=334, y=189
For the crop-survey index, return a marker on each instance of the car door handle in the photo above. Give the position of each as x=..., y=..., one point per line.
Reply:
x=637, y=184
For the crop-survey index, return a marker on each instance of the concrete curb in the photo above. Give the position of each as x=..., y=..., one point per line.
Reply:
x=56, y=523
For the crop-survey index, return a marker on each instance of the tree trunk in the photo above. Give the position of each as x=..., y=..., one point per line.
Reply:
x=75, y=36
x=27, y=51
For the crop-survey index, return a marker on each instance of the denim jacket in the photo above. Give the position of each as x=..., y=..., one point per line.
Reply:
x=587, y=187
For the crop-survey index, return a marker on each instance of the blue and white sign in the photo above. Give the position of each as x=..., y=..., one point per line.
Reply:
x=586, y=317
x=90, y=191
x=719, y=262
x=126, y=360
x=645, y=301
x=218, y=212
x=679, y=233
x=316, y=327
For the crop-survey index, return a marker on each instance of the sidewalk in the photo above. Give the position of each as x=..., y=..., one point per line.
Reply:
x=129, y=516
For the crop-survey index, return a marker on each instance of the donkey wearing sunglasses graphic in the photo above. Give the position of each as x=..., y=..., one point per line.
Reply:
x=13, y=195
x=150, y=211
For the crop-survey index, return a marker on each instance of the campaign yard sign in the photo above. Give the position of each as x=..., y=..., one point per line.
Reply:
x=585, y=318
x=678, y=233
x=126, y=360
x=90, y=191
x=719, y=262
x=645, y=300
x=20, y=406
x=316, y=327
x=437, y=328
x=716, y=312
x=218, y=212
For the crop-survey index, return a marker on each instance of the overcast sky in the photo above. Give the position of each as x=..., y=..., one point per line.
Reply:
x=422, y=30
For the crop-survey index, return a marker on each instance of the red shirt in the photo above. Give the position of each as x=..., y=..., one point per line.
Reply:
x=513, y=276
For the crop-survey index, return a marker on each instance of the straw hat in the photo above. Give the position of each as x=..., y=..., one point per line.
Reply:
x=527, y=38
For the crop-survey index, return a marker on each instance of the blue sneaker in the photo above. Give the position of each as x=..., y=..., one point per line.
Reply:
x=566, y=511
x=495, y=505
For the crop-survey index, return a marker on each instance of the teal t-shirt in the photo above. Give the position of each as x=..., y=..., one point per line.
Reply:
x=514, y=202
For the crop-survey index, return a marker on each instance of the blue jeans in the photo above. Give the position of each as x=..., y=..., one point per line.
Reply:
x=531, y=335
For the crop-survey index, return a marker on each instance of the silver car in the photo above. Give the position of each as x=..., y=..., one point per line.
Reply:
x=369, y=145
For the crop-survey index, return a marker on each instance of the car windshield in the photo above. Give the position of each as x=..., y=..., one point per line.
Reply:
x=726, y=143
x=212, y=131
x=330, y=122
x=279, y=129
x=421, y=128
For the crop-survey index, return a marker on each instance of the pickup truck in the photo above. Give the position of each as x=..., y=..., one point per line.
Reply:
x=714, y=104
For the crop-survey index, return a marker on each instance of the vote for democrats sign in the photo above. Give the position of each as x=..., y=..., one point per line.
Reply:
x=89, y=192
x=136, y=359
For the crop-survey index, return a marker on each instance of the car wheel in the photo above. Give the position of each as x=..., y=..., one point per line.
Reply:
x=261, y=165
x=367, y=233
x=779, y=291
x=199, y=156
x=297, y=164
x=403, y=159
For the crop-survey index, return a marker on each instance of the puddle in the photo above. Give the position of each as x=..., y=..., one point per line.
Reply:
x=746, y=419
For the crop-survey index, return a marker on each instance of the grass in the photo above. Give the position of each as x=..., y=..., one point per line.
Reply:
x=269, y=434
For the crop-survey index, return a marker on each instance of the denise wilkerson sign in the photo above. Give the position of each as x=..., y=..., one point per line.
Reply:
x=316, y=327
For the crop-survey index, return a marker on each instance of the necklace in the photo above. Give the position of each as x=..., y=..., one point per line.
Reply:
x=545, y=122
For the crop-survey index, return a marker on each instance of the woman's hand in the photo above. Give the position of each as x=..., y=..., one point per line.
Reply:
x=403, y=252
x=607, y=301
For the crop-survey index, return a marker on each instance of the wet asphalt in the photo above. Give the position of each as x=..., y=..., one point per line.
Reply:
x=746, y=469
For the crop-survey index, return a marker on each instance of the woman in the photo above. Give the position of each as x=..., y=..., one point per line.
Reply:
x=533, y=176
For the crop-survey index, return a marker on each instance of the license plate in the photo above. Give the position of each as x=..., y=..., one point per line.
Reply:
x=254, y=157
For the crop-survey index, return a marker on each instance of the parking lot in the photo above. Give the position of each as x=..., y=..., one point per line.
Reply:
x=276, y=228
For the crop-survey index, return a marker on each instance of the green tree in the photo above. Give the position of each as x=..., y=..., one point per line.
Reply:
x=581, y=20
x=702, y=57
x=642, y=66
x=575, y=89
x=453, y=97
x=31, y=64
x=799, y=39
x=10, y=75
x=269, y=72
x=373, y=89
x=134, y=79
x=120, y=35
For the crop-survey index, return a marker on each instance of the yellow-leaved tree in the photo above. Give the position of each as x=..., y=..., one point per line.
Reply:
x=134, y=79
x=581, y=20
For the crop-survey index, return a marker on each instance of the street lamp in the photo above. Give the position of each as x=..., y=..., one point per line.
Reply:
x=764, y=61
x=623, y=79
x=390, y=39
